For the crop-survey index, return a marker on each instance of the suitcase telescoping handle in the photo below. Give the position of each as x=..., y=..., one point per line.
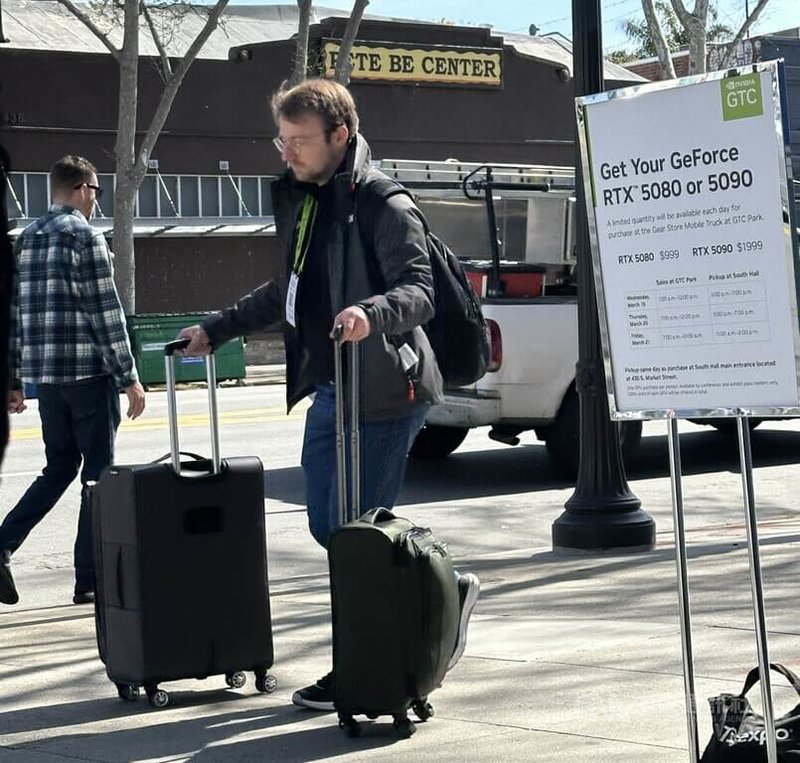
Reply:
x=172, y=404
x=352, y=509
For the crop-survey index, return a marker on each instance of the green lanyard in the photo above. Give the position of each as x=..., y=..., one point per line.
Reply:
x=304, y=228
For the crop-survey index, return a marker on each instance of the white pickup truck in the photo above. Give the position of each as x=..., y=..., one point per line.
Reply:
x=534, y=325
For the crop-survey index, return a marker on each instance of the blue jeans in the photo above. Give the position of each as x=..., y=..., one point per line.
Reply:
x=79, y=422
x=384, y=447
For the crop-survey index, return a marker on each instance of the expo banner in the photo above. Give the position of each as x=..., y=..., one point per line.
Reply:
x=694, y=255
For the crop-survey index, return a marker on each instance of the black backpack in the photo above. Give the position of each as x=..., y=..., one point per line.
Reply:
x=457, y=332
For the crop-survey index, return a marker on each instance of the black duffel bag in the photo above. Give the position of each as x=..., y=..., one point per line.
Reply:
x=739, y=734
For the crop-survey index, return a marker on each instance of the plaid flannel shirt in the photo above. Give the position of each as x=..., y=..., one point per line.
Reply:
x=67, y=320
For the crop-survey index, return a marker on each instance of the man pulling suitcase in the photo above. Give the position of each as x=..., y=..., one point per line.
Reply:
x=374, y=279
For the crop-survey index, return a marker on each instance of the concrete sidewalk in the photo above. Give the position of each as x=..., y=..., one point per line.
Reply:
x=569, y=658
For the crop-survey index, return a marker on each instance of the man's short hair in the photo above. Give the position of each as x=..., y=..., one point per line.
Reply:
x=323, y=97
x=70, y=171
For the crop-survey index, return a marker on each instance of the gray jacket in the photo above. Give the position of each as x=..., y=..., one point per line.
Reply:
x=379, y=262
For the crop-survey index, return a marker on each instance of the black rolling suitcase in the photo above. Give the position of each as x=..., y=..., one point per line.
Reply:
x=180, y=554
x=394, y=596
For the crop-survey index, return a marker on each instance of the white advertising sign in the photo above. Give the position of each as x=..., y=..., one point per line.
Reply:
x=688, y=213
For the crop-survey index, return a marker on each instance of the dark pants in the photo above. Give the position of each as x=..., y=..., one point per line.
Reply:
x=79, y=422
x=384, y=447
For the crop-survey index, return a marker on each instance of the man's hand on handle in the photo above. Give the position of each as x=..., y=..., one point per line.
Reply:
x=354, y=323
x=135, y=393
x=199, y=344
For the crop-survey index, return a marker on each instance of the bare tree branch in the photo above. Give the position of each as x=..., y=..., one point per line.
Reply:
x=748, y=22
x=168, y=95
x=301, y=48
x=701, y=10
x=343, y=65
x=659, y=40
x=680, y=11
x=696, y=25
x=91, y=26
x=157, y=40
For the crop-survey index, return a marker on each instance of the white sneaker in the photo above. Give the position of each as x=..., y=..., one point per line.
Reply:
x=468, y=589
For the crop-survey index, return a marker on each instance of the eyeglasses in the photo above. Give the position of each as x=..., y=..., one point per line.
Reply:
x=296, y=144
x=98, y=191
x=299, y=142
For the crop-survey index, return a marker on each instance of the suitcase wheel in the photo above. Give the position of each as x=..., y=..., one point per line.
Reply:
x=404, y=726
x=266, y=683
x=157, y=697
x=128, y=692
x=423, y=709
x=236, y=680
x=350, y=725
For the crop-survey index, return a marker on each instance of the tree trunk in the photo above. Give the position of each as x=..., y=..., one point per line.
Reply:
x=124, y=262
x=300, y=67
x=131, y=161
x=696, y=30
x=696, y=26
x=125, y=154
x=343, y=65
x=659, y=40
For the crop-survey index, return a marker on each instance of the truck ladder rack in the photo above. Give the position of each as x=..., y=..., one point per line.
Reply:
x=526, y=179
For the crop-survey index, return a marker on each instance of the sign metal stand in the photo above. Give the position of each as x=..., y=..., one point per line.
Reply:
x=697, y=276
x=685, y=610
x=756, y=585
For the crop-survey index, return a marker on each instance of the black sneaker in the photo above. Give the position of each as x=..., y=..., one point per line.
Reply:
x=83, y=597
x=318, y=696
x=468, y=589
x=8, y=591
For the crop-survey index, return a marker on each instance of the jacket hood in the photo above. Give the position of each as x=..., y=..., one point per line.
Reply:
x=358, y=159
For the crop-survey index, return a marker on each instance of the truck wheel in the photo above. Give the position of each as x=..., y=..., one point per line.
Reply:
x=563, y=439
x=437, y=442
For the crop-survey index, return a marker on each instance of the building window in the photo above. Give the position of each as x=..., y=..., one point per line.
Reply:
x=209, y=187
x=171, y=196
x=106, y=203
x=190, y=199
x=148, y=197
x=230, y=197
x=249, y=188
x=37, y=195
x=266, y=196
x=168, y=196
x=15, y=207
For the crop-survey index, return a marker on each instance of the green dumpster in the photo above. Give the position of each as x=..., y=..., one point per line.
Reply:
x=149, y=334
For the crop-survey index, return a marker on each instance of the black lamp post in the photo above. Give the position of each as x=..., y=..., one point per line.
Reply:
x=602, y=514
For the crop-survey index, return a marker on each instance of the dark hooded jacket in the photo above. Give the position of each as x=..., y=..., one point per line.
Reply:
x=377, y=258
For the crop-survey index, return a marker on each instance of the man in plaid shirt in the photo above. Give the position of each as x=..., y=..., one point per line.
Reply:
x=70, y=339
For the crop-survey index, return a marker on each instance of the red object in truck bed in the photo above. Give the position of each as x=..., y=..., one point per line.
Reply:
x=521, y=279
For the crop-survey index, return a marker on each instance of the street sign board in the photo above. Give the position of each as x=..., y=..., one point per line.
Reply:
x=695, y=258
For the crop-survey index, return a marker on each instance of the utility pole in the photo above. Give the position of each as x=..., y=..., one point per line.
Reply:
x=747, y=15
x=602, y=514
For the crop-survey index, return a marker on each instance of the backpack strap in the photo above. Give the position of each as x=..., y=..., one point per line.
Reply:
x=379, y=186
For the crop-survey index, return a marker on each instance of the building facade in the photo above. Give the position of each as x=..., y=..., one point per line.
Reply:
x=204, y=232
